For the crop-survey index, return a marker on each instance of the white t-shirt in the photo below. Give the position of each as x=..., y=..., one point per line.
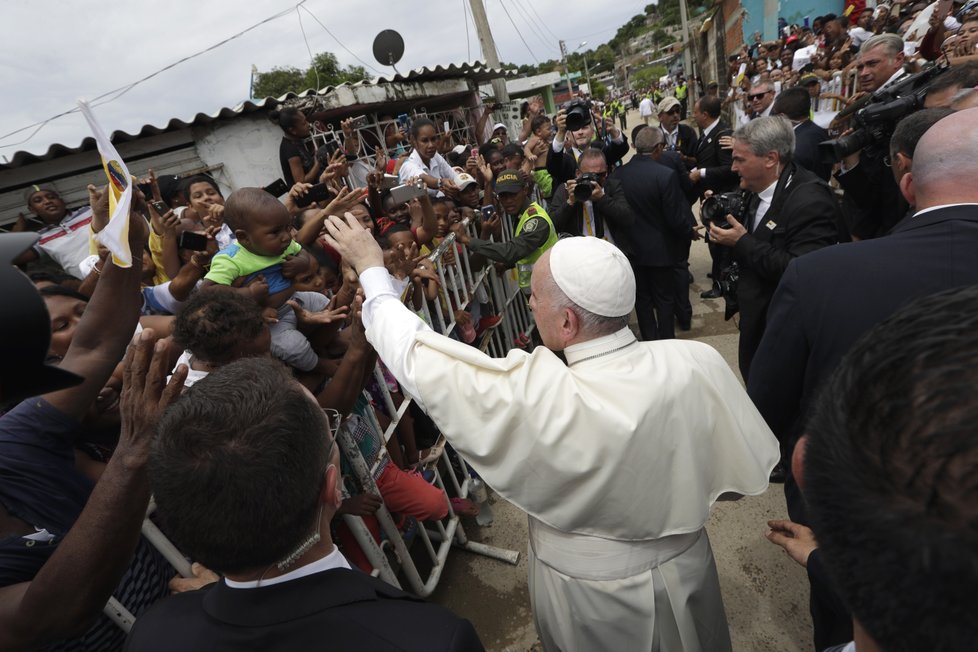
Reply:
x=438, y=167
x=645, y=107
x=68, y=242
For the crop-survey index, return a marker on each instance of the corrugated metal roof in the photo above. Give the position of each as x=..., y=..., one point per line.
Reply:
x=477, y=71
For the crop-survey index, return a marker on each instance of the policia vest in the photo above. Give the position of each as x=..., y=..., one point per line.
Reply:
x=524, y=266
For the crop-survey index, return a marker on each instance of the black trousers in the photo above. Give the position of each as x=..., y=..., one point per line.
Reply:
x=680, y=279
x=655, y=301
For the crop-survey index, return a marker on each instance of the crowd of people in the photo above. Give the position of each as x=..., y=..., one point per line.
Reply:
x=215, y=372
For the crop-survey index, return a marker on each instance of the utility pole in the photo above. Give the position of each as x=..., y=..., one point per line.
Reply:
x=687, y=63
x=563, y=59
x=488, y=48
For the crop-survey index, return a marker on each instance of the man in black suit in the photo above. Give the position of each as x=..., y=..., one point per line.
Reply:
x=562, y=161
x=604, y=214
x=712, y=172
x=866, y=176
x=659, y=237
x=245, y=472
x=827, y=300
x=678, y=137
x=788, y=212
x=795, y=104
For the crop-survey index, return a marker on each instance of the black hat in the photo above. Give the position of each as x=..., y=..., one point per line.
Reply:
x=25, y=330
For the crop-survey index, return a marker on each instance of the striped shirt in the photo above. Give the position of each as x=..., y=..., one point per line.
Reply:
x=68, y=242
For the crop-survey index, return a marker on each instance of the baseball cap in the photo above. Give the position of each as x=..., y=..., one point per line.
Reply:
x=668, y=104
x=25, y=330
x=509, y=181
x=465, y=180
x=499, y=125
x=807, y=80
x=32, y=190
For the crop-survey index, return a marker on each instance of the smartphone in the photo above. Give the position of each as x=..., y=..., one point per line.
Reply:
x=488, y=212
x=160, y=207
x=192, y=241
x=319, y=192
x=359, y=122
x=277, y=188
x=403, y=120
x=445, y=127
x=406, y=192
x=389, y=181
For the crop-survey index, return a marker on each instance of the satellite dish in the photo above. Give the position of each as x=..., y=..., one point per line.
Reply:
x=388, y=48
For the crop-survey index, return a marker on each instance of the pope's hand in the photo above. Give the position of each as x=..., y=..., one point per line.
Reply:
x=354, y=243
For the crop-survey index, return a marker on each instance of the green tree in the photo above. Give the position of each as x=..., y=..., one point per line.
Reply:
x=279, y=81
x=599, y=90
x=646, y=76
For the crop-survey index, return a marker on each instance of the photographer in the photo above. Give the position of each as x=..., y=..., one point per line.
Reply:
x=576, y=124
x=592, y=203
x=788, y=211
x=866, y=176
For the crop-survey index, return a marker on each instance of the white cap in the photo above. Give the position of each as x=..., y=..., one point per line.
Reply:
x=458, y=149
x=465, y=180
x=499, y=125
x=594, y=274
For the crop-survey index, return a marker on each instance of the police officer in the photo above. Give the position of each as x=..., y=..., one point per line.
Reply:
x=534, y=232
x=682, y=93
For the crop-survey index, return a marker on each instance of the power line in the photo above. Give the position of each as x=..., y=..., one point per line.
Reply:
x=520, y=34
x=542, y=21
x=465, y=21
x=122, y=90
x=308, y=49
x=349, y=51
x=533, y=25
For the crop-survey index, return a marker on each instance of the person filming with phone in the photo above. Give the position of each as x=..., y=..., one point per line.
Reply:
x=534, y=232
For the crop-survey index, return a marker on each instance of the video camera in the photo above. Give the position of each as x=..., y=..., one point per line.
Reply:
x=578, y=114
x=876, y=119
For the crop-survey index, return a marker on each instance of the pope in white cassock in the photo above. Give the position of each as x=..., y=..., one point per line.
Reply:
x=615, y=455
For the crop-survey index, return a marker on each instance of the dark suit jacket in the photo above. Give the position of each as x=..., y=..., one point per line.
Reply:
x=660, y=235
x=562, y=166
x=717, y=161
x=672, y=160
x=872, y=188
x=802, y=218
x=337, y=610
x=829, y=299
x=688, y=140
x=612, y=209
x=807, y=137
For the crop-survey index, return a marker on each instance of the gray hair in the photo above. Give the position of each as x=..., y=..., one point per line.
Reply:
x=963, y=95
x=892, y=43
x=591, y=324
x=769, y=134
x=646, y=140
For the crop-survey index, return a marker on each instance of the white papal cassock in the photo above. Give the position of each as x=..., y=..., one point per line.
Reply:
x=616, y=456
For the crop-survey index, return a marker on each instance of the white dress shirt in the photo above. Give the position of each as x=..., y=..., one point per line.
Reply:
x=437, y=167
x=706, y=134
x=333, y=560
x=940, y=206
x=765, y=197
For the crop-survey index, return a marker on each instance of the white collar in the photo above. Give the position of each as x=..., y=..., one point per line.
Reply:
x=940, y=206
x=416, y=157
x=333, y=560
x=711, y=127
x=599, y=346
x=899, y=73
x=768, y=193
x=670, y=132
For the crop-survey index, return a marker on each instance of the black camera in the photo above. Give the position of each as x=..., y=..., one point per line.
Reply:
x=578, y=114
x=585, y=186
x=716, y=208
x=875, y=119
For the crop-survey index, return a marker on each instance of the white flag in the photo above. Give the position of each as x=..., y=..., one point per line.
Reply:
x=115, y=235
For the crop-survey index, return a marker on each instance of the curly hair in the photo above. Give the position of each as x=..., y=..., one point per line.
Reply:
x=214, y=321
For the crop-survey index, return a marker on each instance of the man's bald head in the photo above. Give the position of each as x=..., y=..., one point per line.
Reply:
x=944, y=163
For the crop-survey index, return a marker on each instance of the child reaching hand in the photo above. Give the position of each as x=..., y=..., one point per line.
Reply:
x=266, y=257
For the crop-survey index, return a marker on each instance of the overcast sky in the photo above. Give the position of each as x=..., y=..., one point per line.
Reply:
x=56, y=51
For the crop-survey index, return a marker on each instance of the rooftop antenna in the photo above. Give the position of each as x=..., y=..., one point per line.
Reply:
x=389, y=48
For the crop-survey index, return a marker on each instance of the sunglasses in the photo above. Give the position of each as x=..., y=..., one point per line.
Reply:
x=757, y=96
